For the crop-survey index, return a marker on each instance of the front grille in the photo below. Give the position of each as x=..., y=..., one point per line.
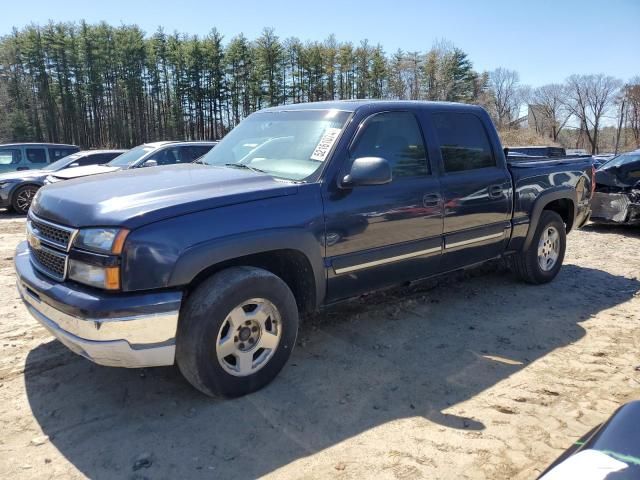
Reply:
x=49, y=244
x=50, y=262
x=49, y=233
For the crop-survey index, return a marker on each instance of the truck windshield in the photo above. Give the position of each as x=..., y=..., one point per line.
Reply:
x=288, y=144
x=130, y=157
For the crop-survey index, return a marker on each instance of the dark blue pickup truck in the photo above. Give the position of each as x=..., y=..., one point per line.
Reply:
x=209, y=265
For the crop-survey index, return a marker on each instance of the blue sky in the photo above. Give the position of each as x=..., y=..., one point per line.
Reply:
x=545, y=41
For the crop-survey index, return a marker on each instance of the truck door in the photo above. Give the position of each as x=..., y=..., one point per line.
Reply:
x=476, y=190
x=384, y=234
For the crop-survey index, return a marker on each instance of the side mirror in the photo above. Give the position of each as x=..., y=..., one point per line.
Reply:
x=368, y=171
x=506, y=151
x=150, y=163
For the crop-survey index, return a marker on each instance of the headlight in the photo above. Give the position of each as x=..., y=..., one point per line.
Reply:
x=95, y=261
x=34, y=202
x=101, y=240
x=107, y=278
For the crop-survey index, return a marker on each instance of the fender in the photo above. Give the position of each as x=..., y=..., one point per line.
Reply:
x=545, y=198
x=204, y=255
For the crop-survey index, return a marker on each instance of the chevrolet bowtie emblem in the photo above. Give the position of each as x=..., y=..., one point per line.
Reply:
x=34, y=241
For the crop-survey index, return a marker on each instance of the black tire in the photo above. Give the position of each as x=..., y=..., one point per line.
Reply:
x=22, y=197
x=203, y=315
x=525, y=264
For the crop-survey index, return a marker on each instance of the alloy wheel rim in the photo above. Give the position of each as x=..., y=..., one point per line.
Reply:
x=249, y=337
x=548, y=248
x=24, y=198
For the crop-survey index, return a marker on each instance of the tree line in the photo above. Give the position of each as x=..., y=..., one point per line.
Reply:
x=97, y=85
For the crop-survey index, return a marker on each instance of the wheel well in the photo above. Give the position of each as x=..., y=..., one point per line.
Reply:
x=292, y=266
x=13, y=192
x=25, y=185
x=565, y=208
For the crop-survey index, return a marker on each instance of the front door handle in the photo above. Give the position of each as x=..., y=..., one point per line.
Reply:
x=431, y=200
x=496, y=191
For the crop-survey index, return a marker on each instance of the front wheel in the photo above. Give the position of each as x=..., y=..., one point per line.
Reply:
x=542, y=261
x=22, y=198
x=236, y=331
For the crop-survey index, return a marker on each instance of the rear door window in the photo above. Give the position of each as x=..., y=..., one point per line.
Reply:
x=10, y=156
x=166, y=156
x=464, y=143
x=191, y=153
x=36, y=155
x=107, y=157
x=93, y=160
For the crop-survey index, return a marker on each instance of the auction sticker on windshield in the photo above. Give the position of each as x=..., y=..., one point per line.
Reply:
x=329, y=137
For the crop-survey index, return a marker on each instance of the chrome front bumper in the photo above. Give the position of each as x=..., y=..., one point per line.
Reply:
x=131, y=342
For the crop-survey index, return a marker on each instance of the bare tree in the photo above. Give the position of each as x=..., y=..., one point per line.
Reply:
x=632, y=96
x=621, y=105
x=549, y=109
x=413, y=67
x=589, y=98
x=504, y=87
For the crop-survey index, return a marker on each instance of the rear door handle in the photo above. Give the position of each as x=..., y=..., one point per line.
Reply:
x=431, y=200
x=496, y=191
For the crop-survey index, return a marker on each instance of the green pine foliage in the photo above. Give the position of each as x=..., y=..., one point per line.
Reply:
x=96, y=85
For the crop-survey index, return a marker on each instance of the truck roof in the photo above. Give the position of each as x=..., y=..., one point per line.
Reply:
x=353, y=105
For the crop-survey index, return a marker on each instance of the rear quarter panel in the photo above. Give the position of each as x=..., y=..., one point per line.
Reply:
x=539, y=182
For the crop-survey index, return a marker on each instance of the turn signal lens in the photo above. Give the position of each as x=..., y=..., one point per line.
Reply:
x=118, y=243
x=112, y=280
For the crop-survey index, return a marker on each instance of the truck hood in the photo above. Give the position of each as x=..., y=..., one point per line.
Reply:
x=132, y=198
x=76, y=172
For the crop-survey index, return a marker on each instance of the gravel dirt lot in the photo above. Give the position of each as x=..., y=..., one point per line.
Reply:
x=475, y=377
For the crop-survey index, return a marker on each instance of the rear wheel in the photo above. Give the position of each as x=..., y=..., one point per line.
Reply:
x=22, y=198
x=542, y=261
x=236, y=331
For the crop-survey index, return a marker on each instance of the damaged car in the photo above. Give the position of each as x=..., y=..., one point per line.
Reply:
x=617, y=196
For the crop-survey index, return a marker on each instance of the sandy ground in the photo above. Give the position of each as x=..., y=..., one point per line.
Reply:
x=475, y=377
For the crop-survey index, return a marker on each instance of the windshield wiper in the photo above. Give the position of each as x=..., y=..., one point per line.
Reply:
x=244, y=166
